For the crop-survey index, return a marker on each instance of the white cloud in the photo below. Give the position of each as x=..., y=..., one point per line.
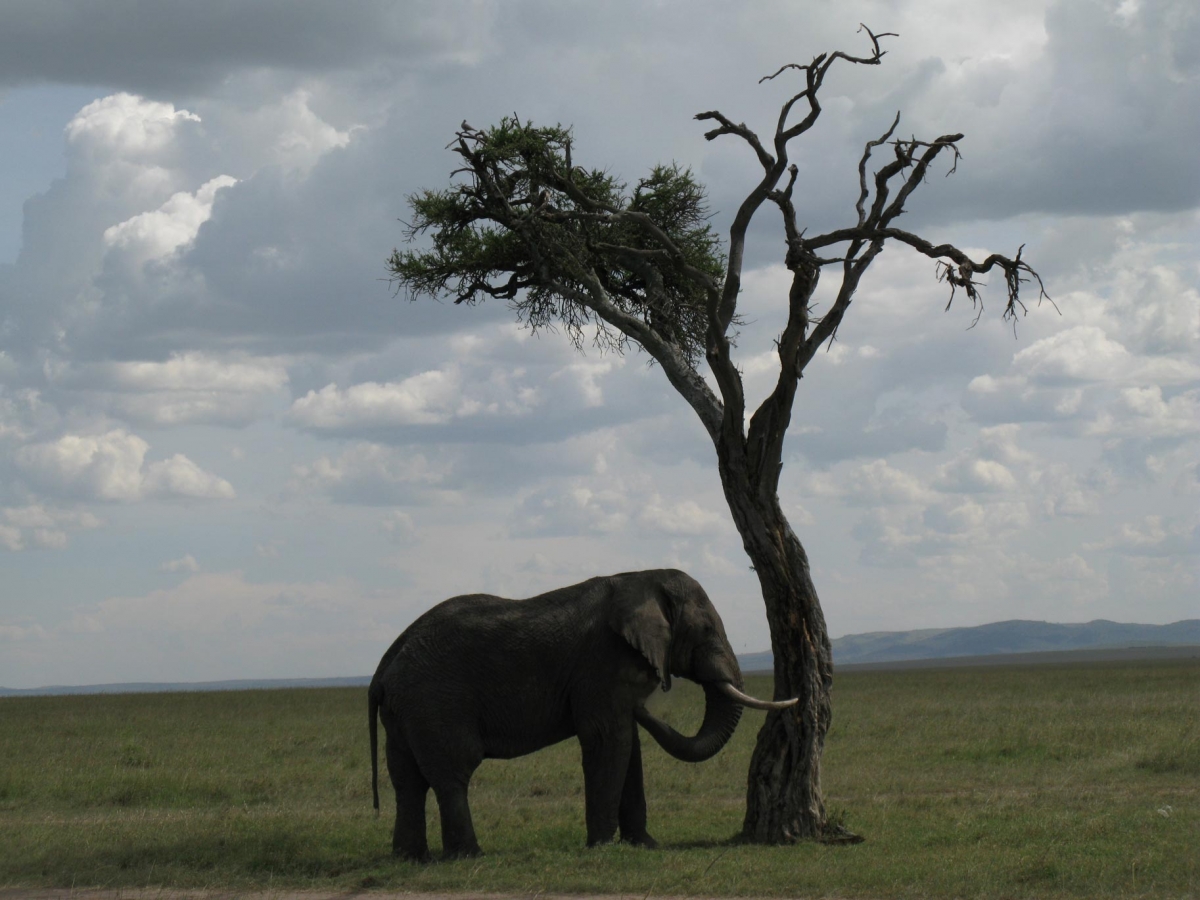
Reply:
x=186, y=388
x=685, y=517
x=11, y=538
x=1082, y=353
x=1155, y=536
x=371, y=474
x=111, y=466
x=195, y=371
x=1144, y=413
x=36, y=525
x=301, y=136
x=180, y=477
x=399, y=527
x=185, y=563
x=127, y=125
x=104, y=466
x=878, y=483
x=155, y=234
x=430, y=398
x=585, y=376
x=971, y=475
x=562, y=510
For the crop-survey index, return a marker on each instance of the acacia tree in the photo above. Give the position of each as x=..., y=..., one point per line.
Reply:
x=577, y=249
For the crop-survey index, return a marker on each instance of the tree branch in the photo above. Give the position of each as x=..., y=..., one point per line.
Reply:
x=961, y=274
x=727, y=127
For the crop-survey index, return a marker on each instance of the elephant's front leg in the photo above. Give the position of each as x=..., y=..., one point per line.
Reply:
x=632, y=813
x=606, y=755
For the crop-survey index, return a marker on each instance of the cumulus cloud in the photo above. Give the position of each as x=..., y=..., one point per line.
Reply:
x=185, y=563
x=36, y=525
x=425, y=399
x=371, y=474
x=154, y=234
x=199, y=372
x=879, y=483
x=185, y=388
x=1154, y=536
x=1082, y=353
x=560, y=510
x=971, y=475
x=112, y=466
x=684, y=518
x=1142, y=412
x=127, y=126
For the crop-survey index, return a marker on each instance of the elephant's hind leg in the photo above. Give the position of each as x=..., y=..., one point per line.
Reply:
x=458, y=831
x=449, y=766
x=408, y=839
x=632, y=814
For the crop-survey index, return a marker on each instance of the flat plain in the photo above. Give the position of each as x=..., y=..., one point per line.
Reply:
x=1079, y=780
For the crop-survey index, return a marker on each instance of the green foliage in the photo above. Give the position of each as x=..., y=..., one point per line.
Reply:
x=1051, y=782
x=566, y=247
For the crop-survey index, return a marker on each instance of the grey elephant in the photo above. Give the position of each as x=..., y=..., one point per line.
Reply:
x=481, y=677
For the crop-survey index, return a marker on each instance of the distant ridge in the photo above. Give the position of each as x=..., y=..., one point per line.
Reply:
x=997, y=639
x=1013, y=636
x=1020, y=641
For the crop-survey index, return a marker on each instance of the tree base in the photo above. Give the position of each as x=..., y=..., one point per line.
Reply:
x=839, y=834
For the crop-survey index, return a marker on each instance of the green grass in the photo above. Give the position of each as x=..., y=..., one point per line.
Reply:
x=1076, y=781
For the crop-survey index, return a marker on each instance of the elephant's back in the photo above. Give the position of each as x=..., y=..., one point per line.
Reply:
x=483, y=627
x=501, y=664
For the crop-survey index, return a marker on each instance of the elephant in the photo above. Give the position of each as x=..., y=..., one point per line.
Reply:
x=482, y=677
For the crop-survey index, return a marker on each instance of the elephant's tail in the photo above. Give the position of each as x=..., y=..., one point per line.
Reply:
x=373, y=699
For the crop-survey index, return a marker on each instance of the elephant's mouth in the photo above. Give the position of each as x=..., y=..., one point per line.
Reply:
x=722, y=709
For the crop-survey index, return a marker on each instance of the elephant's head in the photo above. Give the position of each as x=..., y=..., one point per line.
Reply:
x=668, y=618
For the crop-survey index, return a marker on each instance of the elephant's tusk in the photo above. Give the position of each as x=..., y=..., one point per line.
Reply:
x=753, y=702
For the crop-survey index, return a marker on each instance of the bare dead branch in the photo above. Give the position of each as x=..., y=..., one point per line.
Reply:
x=876, y=55
x=959, y=272
x=862, y=167
x=740, y=129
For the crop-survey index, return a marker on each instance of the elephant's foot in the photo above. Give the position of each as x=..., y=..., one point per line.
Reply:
x=416, y=855
x=640, y=840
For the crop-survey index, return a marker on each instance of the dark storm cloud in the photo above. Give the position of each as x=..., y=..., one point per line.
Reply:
x=185, y=46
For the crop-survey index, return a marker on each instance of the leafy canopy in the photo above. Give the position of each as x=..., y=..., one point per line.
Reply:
x=555, y=240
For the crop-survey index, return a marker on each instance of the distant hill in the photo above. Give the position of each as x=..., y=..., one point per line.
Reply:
x=1013, y=636
x=1016, y=636
x=1020, y=639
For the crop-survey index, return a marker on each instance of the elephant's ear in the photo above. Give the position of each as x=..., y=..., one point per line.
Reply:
x=640, y=621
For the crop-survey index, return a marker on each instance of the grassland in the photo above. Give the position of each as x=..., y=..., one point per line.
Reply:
x=1073, y=781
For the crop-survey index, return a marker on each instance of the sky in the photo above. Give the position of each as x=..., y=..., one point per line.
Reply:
x=229, y=449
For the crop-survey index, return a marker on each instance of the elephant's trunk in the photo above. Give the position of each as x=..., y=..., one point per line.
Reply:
x=721, y=714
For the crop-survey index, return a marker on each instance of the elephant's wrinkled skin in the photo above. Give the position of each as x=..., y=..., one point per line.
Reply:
x=481, y=677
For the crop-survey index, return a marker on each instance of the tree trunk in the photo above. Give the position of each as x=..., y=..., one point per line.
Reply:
x=783, y=792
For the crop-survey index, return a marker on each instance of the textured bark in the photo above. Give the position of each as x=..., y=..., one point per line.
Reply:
x=783, y=786
x=783, y=789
